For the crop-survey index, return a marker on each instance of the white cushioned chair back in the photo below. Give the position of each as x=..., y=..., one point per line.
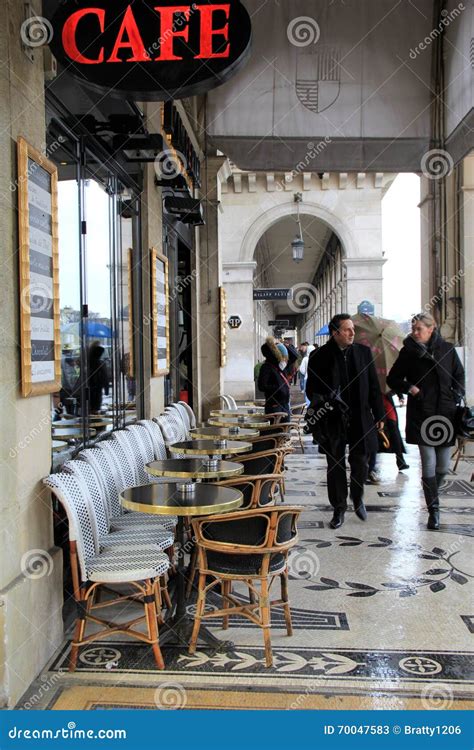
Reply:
x=157, y=438
x=145, y=441
x=142, y=452
x=118, y=472
x=121, y=449
x=190, y=413
x=72, y=494
x=230, y=402
x=105, y=468
x=182, y=414
x=172, y=427
x=126, y=454
x=84, y=471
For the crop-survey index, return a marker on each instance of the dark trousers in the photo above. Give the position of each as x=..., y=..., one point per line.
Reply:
x=337, y=479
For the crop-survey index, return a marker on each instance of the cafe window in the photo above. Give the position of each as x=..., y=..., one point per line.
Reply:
x=97, y=217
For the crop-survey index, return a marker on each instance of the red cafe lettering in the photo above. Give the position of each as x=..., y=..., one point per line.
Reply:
x=129, y=46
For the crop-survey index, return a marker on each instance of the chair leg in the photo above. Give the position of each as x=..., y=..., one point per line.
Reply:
x=252, y=598
x=201, y=603
x=265, y=618
x=286, y=605
x=192, y=572
x=225, y=604
x=84, y=606
x=151, y=619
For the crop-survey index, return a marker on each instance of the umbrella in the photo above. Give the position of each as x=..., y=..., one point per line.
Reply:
x=324, y=331
x=92, y=329
x=385, y=339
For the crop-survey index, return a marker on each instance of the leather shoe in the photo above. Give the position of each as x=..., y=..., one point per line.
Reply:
x=337, y=520
x=360, y=511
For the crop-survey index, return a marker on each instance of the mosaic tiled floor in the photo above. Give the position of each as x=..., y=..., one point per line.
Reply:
x=383, y=614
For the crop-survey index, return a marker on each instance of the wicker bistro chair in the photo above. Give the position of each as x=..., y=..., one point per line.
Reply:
x=250, y=546
x=265, y=462
x=176, y=410
x=257, y=491
x=128, y=538
x=190, y=413
x=93, y=570
x=157, y=438
x=106, y=463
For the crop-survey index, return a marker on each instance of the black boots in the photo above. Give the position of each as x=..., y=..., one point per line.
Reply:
x=430, y=489
x=440, y=479
x=337, y=520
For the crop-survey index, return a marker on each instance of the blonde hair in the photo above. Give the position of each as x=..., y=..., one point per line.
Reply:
x=424, y=318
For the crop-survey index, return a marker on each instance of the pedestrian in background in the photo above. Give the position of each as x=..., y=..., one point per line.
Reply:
x=345, y=398
x=429, y=370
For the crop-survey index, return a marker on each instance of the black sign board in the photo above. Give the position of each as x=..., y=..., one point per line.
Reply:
x=234, y=322
x=150, y=49
x=279, y=323
x=271, y=294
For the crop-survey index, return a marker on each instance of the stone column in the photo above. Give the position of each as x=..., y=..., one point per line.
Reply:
x=364, y=281
x=238, y=373
x=467, y=244
x=31, y=596
x=209, y=384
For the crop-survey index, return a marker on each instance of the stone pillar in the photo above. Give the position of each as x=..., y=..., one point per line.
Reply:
x=31, y=599
x=467, y=245
x=238, y=373
x=210, y=374
x=364, y=281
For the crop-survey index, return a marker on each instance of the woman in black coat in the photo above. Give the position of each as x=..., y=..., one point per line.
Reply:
x=272, y=379
x=429, y=370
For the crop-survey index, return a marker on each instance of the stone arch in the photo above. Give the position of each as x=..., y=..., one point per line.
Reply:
x=270, y=217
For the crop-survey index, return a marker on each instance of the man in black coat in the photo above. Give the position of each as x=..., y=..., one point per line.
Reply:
x=346, y=408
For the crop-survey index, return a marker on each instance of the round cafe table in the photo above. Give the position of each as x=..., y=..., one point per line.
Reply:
x=184, y=501
x=58, y=445
x=193, y=468
x=242, y=411
x=246, y=420
x=224, y=433
x=214, y=449
x=70, y=433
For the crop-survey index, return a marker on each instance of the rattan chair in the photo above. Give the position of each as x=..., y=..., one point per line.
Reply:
x=250, y=546
x=92, y=570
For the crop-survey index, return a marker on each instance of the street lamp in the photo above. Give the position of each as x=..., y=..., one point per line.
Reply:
x=297, y=245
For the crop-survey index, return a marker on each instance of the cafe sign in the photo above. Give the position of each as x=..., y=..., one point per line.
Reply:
x=151, y=50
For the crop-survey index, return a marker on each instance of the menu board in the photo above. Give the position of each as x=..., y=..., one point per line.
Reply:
x=39, y=272
x=160, y=312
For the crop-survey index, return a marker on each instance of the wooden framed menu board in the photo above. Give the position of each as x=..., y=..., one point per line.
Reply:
x=160, y=313
x=39, y=272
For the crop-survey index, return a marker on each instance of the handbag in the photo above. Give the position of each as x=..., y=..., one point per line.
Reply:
x=464, y=421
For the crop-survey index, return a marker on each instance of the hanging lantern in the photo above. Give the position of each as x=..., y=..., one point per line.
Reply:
x=297, y=247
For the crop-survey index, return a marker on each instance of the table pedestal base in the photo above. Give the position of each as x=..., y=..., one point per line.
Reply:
x=177, y=632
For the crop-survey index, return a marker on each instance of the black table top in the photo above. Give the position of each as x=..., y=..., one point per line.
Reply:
x=165, y=499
